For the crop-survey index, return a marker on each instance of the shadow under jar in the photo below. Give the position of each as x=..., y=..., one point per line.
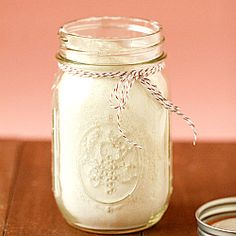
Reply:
x=111, y=146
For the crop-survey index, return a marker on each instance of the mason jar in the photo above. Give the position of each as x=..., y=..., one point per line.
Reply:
x=112, y=169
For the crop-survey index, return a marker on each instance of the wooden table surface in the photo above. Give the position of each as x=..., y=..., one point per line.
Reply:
x=27, y=206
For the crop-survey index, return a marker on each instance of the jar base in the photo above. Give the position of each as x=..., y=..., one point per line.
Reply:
x=151, y=223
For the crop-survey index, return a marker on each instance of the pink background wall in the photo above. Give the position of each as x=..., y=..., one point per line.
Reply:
x=201, y=46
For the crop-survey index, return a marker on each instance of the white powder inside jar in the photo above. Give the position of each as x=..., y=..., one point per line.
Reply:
x=102, y=182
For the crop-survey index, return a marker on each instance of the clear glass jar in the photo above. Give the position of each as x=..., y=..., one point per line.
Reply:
x=111, y=167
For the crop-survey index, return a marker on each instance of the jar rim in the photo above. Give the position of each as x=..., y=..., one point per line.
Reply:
x=111, y=40
x=148, y=25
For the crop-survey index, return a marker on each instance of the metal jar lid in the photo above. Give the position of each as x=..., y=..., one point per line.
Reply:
x=217, y=218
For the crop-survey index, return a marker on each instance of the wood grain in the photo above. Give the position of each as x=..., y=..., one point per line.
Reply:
x=201, y=173
x=8, y=161
x=33, y=210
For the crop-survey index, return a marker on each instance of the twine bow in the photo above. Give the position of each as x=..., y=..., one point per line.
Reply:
x=120, y=94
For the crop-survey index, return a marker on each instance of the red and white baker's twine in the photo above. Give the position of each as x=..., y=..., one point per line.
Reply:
x=120, y=94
